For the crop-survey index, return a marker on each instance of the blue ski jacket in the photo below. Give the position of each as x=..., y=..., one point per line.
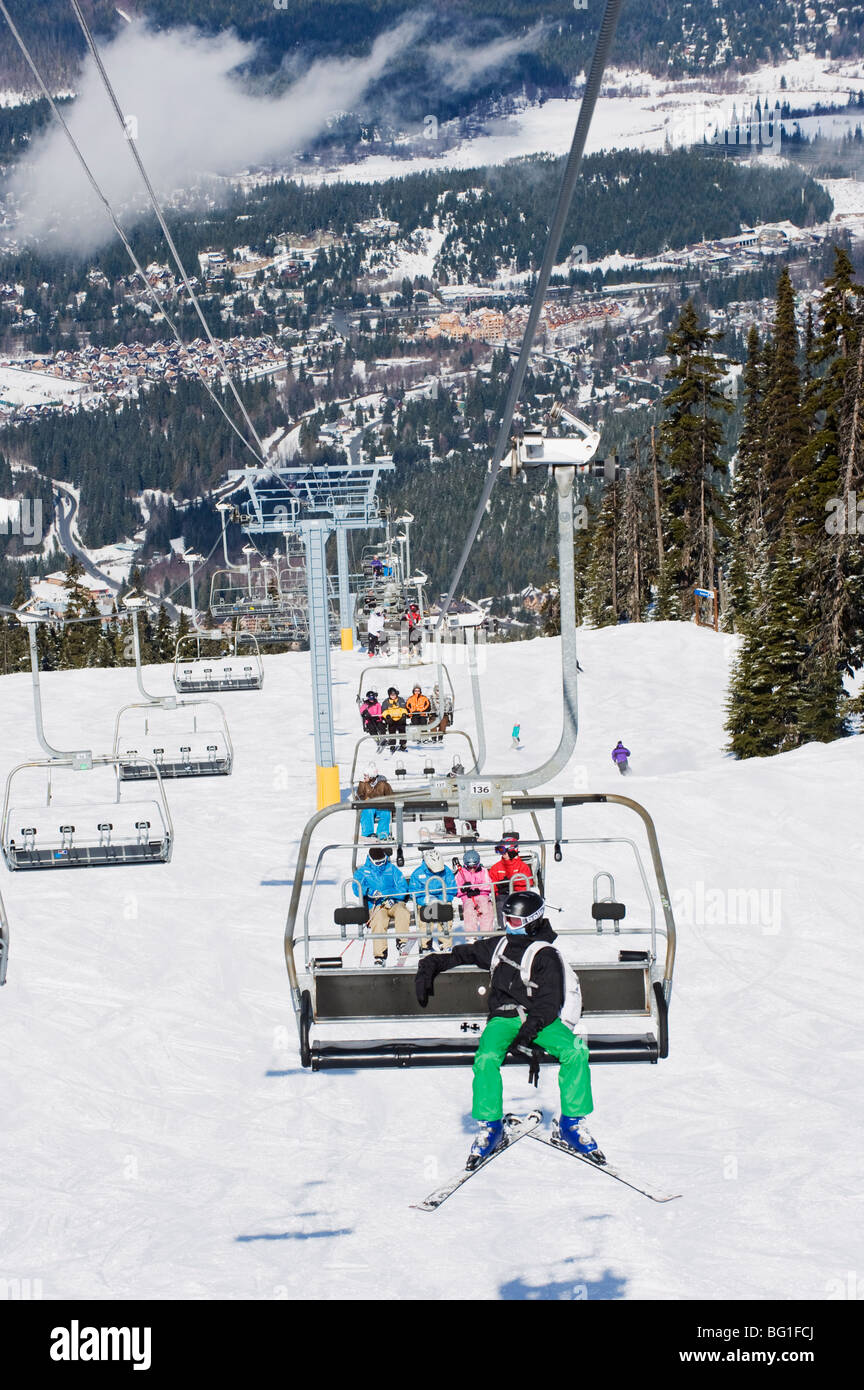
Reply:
x=378, y=881
x=446, y=880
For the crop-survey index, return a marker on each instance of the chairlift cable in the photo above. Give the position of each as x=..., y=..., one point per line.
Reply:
x=148, y=288
x=151, y=192
x=553, y=242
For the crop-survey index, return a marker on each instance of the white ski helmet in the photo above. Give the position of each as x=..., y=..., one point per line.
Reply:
x=433, y=861
x=370, y=772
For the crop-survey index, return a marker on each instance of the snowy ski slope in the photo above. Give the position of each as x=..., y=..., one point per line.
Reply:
x=161, y=1141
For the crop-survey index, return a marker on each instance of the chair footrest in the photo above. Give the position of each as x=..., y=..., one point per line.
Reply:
x=454, y=1052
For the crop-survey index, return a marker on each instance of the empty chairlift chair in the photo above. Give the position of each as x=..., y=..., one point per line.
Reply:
x=50, y=834
x=197, y=671
x=141, y=732
x=51, y=829
x=181, y=738
x=235, y=596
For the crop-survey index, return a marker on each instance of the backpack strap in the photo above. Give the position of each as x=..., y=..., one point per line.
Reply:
x=497, y=954
x=528, y=960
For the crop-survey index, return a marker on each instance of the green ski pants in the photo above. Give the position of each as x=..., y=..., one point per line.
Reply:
x=574, y=1076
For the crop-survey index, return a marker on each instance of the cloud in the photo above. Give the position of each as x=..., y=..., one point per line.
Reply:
x=461, y=66
x=192, y=118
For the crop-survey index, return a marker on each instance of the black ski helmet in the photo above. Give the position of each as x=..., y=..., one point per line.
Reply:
x=371, y=695
x=379, y=854
x=524, y=910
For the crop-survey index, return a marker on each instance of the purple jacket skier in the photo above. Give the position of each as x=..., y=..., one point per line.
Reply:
x=620, y=754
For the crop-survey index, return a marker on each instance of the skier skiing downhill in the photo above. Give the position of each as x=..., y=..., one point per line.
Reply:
x=620, y=754
x=534, y=1003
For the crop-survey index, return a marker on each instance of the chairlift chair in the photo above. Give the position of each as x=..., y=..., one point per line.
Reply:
x=146, y=732
x=351, y=1014
x=83, y=835
x=196, y=672
x=433, y=678
x=423, y=766
x=231, y=597
x=205, y=751
x=50, y=833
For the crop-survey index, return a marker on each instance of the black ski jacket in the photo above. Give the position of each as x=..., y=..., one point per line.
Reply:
x=508, y=996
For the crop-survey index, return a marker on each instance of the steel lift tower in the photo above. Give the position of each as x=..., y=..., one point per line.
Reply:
x=314, y=503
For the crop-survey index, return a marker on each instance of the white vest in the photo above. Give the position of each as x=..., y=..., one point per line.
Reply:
x=571, y=1011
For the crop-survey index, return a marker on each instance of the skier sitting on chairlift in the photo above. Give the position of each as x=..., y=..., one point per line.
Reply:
x=374, y=820
x=534, y=1003
x=384, y=890
x=434, y=880
x=415, y=631
x=375, y=631
x=395, y=717
x=370, y=713
x=510, y=873
x=475, y=893
x=419, y=706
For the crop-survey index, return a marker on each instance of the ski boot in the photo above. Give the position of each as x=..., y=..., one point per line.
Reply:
x=489, y=1138
x=572, y=1133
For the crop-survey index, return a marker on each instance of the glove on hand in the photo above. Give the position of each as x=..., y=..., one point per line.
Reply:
x=424, y=982
x=534, y=1067
x=524, y=1038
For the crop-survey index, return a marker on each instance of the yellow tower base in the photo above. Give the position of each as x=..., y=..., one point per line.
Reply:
x=347, y=639
x=327, y=786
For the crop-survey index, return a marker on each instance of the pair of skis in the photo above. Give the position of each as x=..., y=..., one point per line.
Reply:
x=518, y=1127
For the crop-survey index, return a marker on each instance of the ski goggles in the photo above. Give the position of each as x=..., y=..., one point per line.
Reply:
x=520, y=923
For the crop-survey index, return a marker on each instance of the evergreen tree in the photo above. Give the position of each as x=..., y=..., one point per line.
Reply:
x=781, y=696
x=765, y=694
x=78, y=640
x=104, y=650
x=48, y=643
x=747, y=489
x=637, y=557
x=163, y=638
x=183, y=626
x=691, y=438
x=785, y=430
x=830, y=473
x=601, y=601
x=14, y=645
